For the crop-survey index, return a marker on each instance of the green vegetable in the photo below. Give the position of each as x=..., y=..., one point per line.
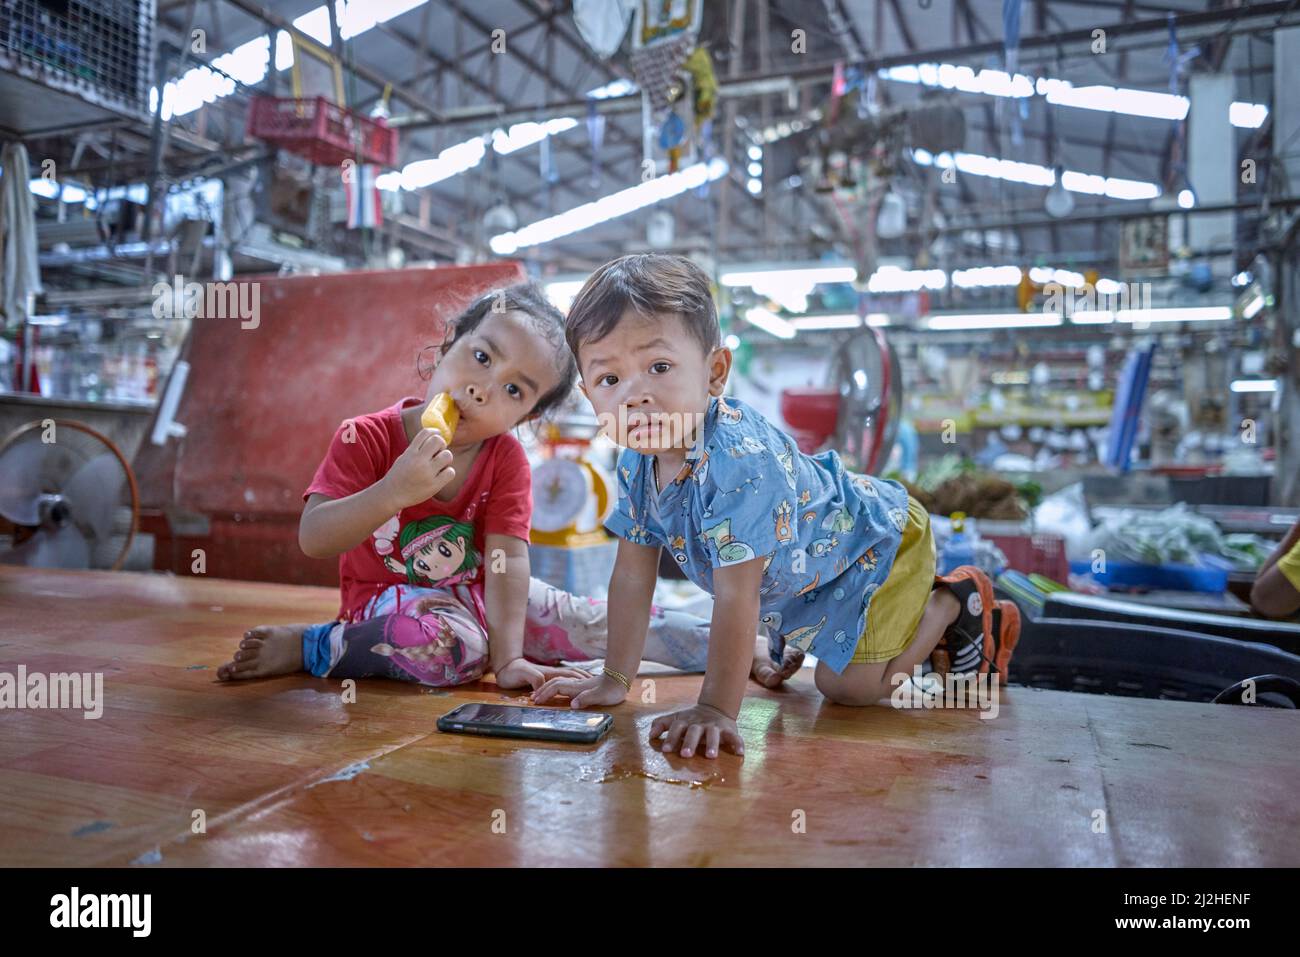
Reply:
x=1175, y=535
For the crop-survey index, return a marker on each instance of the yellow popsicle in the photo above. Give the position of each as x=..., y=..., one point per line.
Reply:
x=442, y=416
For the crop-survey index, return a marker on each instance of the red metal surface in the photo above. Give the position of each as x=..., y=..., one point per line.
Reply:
x=323, y=132
x=261, y=405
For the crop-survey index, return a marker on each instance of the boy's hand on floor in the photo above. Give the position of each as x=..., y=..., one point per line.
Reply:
x=522, y=673
x=686, y=729
x=591, y=691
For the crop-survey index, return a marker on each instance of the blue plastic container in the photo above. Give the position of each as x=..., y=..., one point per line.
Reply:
x=1210, y=574
x=957, y=552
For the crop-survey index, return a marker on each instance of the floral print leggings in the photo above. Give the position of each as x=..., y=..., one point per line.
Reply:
x=438, y=636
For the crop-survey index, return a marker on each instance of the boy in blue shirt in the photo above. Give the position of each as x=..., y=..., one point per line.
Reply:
x=826, y=560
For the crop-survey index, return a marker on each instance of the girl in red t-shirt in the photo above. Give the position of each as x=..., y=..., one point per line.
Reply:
x=432, y=539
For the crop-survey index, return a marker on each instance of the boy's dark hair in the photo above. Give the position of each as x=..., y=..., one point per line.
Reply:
x=530, y=299
x=648, y=283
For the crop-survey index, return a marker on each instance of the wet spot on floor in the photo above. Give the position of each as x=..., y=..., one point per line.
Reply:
x=346, y=774
x=149, y=857
x=94, y=827
x=620, y=773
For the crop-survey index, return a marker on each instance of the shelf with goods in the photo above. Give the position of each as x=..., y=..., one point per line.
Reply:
x=108, y=357
x=1025, y=415
x=992, y=389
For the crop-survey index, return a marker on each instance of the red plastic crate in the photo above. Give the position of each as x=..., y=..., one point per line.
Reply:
x=1042, y=553
x=321, y=131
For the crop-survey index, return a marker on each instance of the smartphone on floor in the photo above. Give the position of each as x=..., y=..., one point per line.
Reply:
x=541, y=724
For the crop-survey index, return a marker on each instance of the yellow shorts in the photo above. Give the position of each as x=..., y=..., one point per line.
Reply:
x=897, y=607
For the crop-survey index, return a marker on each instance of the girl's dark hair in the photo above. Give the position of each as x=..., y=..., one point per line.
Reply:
x=530, y=299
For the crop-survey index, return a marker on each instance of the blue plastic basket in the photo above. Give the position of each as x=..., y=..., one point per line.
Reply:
x=1209, y=574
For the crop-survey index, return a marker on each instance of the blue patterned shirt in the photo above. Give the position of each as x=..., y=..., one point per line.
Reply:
x=827, y=536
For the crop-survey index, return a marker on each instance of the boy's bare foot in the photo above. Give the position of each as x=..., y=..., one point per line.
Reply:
x=266, y=650
x=768, y=674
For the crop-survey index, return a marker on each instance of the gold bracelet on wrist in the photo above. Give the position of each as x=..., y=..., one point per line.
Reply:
x=713, y=707
x=618, y=676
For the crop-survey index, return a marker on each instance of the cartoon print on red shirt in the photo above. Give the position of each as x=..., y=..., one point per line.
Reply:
x=436, y=551
x=384, y=536
x=496, y=499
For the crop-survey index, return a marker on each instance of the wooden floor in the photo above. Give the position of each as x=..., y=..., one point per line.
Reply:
x=286, y=773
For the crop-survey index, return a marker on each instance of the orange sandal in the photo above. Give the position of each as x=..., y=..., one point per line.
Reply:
x=1007, y=634
x=968, y=643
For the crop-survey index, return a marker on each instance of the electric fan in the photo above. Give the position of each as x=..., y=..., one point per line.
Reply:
x=857, y=411
x=870, y=383
x=70, y=495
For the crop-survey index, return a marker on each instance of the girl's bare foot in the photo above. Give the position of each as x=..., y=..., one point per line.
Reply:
x=266, y=650
x=768, y=674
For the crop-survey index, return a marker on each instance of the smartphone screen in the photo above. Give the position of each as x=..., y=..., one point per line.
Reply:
x=517, y=721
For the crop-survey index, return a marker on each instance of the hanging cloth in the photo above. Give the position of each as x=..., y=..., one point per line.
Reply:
x=19, y=264
x=365, y=210
x=603, y=23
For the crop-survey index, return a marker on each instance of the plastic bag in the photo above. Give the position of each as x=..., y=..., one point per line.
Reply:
x=1174, y=535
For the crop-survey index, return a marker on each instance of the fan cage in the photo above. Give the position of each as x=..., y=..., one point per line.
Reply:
x=113, y=550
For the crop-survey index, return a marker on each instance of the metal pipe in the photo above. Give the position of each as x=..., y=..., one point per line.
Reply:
x=273, y=19
x=1079, y=219
x=1241, y=20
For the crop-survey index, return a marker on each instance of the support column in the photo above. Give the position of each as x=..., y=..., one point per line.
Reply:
x=1286, y=137
x=1212, y=166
